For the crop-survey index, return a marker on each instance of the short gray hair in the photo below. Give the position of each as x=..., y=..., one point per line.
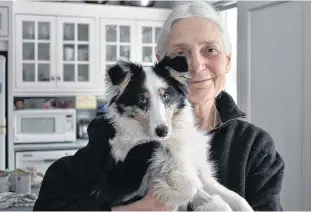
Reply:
x=186, y=9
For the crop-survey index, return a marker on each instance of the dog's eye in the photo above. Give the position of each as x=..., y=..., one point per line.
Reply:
x=166, y=97
x=142, y=99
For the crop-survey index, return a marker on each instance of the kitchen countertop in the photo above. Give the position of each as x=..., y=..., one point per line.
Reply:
x=78, y=144
x=34, y=191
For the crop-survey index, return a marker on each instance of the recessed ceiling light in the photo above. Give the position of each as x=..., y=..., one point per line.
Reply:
x=141, y=3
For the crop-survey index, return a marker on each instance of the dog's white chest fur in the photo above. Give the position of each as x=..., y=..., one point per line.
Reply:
x=129, y=134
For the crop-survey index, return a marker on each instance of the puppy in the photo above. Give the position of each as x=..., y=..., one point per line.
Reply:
x=150, y=104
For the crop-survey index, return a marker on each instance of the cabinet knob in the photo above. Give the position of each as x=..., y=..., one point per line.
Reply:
x=58, y=78
x=52, y=78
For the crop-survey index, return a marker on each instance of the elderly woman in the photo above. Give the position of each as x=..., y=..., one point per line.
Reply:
x=247, y=160
x=245, y=154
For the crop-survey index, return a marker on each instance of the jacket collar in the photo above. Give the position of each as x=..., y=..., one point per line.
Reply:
x=227, y=108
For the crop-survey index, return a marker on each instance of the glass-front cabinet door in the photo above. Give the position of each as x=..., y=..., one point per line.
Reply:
x=117, y=40
x=148, y=33
x=35, y=51
x=76, y=41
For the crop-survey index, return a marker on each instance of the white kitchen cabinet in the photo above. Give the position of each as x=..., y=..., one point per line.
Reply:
x=55, y=53
x=147, y=32
x=76, y=53
x=35, y=53
x=58, y=50
x=117, y=41
x=4, y=21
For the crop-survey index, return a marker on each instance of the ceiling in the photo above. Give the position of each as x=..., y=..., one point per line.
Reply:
x=220, y=5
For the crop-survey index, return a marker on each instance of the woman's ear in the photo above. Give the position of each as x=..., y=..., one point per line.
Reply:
x=228, y=63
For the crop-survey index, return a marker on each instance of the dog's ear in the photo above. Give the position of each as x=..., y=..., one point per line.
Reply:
x=174, y=69
x=177, y=67
x=177, y=63
x=119, y=75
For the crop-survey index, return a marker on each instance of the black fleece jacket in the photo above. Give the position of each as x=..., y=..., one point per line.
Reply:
x=245, y=155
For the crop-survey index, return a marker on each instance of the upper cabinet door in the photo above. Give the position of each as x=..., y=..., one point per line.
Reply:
x=117, y=40
x=4, y=21
x=35, y=51
x=76, y=57
x=147, y=32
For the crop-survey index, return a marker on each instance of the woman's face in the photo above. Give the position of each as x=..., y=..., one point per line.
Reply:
x=200, y=41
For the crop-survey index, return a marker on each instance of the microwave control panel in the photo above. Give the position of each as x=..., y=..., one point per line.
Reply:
x=70, y=123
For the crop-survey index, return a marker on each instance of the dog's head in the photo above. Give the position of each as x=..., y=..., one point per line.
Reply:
x=153, y=96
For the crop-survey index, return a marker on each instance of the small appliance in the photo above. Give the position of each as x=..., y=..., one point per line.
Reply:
x=44, y=125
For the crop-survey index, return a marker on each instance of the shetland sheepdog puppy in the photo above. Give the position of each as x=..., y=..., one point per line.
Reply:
x=150, y=104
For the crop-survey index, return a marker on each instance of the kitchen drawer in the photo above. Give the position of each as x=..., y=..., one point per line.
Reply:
x=41, y=160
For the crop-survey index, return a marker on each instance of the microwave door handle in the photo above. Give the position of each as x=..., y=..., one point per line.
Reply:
x=50, y=160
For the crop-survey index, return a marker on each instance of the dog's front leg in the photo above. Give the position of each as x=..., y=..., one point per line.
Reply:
x=205, y=202
x=174, y=181
x=213, y=187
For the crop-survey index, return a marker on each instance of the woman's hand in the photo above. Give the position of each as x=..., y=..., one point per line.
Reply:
x=147, y=203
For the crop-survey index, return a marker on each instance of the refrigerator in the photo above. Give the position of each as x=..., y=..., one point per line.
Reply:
x=3, y=112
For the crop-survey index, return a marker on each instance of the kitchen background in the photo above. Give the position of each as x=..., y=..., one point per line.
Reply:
x=53, y=57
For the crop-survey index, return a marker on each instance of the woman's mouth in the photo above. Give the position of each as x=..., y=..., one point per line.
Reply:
x=199, y=81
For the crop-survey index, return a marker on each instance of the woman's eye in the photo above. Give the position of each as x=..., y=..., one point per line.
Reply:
x=178, y=54
x=212, y=51
x=142, y=100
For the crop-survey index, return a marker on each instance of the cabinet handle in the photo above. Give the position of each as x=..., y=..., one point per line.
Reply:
x=52, y=78
x=58, y=78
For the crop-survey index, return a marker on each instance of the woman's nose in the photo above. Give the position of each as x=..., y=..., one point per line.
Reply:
x=198, y=63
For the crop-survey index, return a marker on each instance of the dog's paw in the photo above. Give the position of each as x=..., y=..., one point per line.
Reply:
x=241, y=205
x=214, y=203
x=177, y=188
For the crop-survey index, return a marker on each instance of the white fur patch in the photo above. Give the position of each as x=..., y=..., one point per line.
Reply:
x=158, y=112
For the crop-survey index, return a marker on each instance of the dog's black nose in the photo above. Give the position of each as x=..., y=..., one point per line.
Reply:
x=161, y=130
